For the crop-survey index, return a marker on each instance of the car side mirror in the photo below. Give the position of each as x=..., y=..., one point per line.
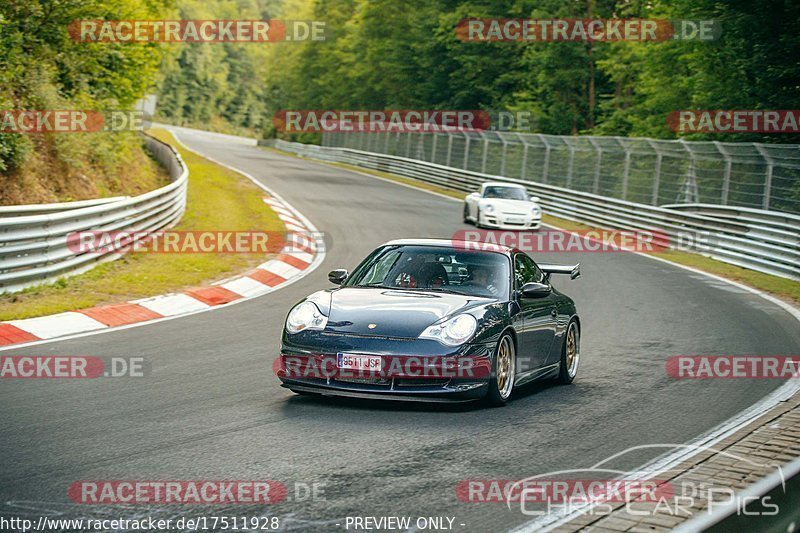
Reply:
x=534, y=199
x=337, y=276
x=535, y=290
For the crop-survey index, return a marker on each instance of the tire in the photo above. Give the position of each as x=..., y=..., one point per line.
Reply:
x=466, y=213
x=478, y=219
x=568, y=367
x=501, y=383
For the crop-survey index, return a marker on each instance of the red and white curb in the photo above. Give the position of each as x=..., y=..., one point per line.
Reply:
x=304, y=250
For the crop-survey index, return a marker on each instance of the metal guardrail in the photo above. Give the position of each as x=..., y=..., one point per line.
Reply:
x=41, y=209
x=760, y=240
x=33, y=238
x=641, y=170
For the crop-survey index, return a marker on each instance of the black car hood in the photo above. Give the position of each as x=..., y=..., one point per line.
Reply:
x=394, y=312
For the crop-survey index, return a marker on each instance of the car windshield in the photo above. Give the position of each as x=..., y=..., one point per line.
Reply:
x=506, y=193
x=437, y=269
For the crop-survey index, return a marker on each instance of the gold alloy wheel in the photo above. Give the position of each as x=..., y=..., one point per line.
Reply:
x=505, y=367
x=573, y=350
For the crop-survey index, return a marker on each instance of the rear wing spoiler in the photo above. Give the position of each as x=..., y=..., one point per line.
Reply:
x=574, y=271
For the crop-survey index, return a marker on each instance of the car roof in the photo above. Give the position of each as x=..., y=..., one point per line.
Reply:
x=456, y=244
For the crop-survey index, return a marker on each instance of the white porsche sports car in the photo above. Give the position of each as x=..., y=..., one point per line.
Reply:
x=503, y=206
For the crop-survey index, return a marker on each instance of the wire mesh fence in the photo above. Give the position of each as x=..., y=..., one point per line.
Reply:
x=647, y=171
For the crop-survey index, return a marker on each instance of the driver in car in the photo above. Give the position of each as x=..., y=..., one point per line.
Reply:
x=480, y=278
x=422, y=271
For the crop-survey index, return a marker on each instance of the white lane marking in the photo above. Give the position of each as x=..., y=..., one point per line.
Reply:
x=289, y=220
x=302, y=256
x=247, y=287
x=277, y=207
x=309, y=227
x=172, y=304
x=280, y=268
x=46, y=327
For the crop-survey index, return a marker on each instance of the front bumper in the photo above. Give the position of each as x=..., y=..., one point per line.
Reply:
x=510, y=221
x=412, y=370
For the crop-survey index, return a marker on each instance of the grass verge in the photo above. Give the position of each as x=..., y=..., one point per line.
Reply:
x=218, y=199
x=783, y=288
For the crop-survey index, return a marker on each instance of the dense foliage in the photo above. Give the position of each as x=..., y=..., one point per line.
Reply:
x=41, y=67
x=395, y=54
x=405, y=54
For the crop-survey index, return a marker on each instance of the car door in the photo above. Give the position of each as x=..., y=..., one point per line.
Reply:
x=536, y=321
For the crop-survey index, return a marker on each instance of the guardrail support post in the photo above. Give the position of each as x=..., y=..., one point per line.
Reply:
x=570, y=165
x=768, y=185
x=449, y=147
x=546, y=163
x=596, y=185
x=657, y=179
x=768, y=180
x=485, y=152
x=625, y=173
x=524, y=160
x=726, y=178
x=503, y=157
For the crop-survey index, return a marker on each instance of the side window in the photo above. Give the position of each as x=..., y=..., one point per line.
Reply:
x=538, y=276
x=522, y=271
x=526, y=271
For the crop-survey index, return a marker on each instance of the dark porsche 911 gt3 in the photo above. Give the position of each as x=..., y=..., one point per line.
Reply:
x=433, y=320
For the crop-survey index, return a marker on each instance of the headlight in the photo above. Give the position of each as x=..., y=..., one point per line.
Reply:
x=305, y=316
x=536, y=210
x=452, y=332
x=489, y=208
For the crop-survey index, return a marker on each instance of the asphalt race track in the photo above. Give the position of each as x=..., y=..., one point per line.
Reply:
x=212, y=409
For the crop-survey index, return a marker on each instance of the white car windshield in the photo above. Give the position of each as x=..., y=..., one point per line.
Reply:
x=505, y=193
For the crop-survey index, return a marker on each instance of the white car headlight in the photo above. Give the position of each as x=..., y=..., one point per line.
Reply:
x=304, y=316
x=489, y=208
x=536, y=210
x=452, y=332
